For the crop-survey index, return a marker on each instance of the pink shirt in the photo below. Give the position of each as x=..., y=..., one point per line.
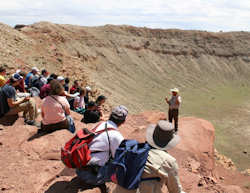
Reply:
x=53, y=111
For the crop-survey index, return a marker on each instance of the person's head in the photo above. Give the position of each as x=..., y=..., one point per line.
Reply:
x=61, y=79
x=53, y=76
x=162, y=135
x=34, y=70
x=67, y=80
x=15, y=79
x=45, y=73
x=2, y=70
x=91, y=106
x=81, y=91
x=56, y=88
x=76, y=83
x=88, y=89
x=49, y=80
x=174, y=91
x=119, y=115
x=100, y=100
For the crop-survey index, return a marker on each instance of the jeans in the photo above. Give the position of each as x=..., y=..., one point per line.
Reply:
x=173, y=114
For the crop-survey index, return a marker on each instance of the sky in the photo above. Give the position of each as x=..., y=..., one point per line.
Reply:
x=209, y=15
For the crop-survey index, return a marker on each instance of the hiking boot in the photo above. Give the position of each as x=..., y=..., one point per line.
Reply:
x=104, y=188
x=30, y=122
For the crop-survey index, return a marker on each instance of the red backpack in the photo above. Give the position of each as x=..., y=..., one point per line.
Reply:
x=76, y=152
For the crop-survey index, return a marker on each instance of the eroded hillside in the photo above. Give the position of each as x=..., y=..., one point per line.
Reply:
x=138, y=66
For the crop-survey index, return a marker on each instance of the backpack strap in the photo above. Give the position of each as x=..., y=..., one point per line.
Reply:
x=59, y=103
x=149, y=179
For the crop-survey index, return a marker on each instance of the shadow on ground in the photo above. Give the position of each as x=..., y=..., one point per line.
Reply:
x=8, y=120
x=73, y=186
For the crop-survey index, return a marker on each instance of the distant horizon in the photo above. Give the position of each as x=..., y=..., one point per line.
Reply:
x=202, y=15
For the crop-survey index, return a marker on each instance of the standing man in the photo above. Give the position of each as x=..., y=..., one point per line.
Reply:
x=174, y=104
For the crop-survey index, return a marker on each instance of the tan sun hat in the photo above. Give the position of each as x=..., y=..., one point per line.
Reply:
x=162, y=135
x=174, y=90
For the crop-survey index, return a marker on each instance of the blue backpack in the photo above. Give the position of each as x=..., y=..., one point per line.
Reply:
x=128, y=164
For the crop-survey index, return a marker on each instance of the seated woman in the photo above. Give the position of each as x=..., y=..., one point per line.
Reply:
x=54, y=109
x=79, y=104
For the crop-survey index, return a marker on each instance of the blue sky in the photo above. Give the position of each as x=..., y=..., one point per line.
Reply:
x=210, y=15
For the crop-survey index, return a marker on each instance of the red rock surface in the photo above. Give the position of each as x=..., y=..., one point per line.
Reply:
x=32, y=165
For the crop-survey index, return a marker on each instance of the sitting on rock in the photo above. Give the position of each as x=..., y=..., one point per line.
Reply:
x=99, y=102
x=2, y=74
x=159, y=163
x=79, y=104
x=91, y=115
x=12, y=105
x=103, y=147
x=66, y=84
x=21, y=86
x=74, y=87
x=45, y=90
x=34, y=72
x=55, y=108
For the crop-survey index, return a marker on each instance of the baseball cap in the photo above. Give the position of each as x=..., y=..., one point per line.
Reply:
x=16, y=77
x=120, y=112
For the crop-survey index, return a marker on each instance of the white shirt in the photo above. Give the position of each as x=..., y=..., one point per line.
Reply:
x=79, y=102
x=44, y=79
x=100, y=143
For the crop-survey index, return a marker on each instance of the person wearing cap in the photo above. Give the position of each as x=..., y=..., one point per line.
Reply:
x=12, y=105
x=102, y=145
x=2, y=74
x=161, y=137
x=21, y=86
x=61, y=79
x=34, y=72
x=174, y=104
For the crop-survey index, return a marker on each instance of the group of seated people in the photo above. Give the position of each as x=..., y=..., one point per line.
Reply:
x=58, y=98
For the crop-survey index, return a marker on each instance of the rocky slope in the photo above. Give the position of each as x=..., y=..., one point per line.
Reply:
x=138, y=66
x=31, y=163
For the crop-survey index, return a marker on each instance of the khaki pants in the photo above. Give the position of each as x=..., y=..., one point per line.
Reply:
x=152, y=186
x=28, y=108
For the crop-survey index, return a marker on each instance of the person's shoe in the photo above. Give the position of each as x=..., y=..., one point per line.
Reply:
x=30, y=122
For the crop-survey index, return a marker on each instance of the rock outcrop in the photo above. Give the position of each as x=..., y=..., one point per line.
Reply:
x=30, y=163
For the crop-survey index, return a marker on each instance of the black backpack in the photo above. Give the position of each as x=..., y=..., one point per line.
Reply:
x=36, y=82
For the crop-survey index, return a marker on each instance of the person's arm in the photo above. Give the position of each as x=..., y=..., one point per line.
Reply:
x=178, y=101
x=66, y=106
x=13, y=103
x=166, y=99
x=173, y=181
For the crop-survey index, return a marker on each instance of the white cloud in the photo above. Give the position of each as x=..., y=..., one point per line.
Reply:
x=212, y=15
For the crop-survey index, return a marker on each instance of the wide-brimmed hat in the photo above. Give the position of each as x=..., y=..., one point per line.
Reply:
x=174, y=90
x=162, y=135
